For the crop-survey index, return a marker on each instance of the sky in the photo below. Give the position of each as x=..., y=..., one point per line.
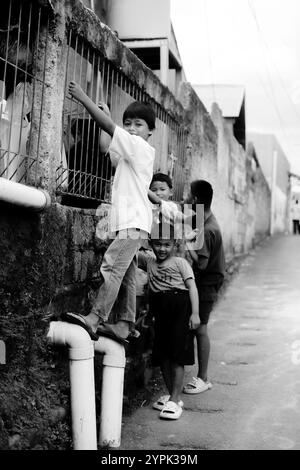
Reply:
x=254, y=43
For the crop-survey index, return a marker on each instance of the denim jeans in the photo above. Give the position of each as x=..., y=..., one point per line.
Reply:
x=119, y=273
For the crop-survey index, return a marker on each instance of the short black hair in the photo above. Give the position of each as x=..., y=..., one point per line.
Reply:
x=203, y=192
x=163, y=178
x=141, y=110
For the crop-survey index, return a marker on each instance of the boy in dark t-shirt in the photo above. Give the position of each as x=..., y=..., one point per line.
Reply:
x=209, y=269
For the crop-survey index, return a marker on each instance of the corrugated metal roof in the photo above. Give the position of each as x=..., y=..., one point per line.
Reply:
x=228, y=97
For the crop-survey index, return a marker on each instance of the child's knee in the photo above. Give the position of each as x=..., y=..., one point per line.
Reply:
x=202, y=330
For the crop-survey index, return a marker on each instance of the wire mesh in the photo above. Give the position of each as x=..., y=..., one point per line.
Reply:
x=86, y=173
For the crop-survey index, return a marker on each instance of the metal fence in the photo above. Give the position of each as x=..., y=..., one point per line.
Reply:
x=84, y=172
x=20, y=26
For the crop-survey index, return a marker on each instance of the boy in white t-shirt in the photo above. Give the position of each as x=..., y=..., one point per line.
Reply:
x=131, y=214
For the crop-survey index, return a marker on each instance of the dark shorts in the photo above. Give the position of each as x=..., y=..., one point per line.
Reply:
x=172, y=336
x=208, y=295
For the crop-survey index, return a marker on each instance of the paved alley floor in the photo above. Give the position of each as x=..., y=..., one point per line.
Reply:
x=254, y=366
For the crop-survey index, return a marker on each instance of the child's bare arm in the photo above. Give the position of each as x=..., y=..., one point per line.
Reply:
x=153, y=198
x=105, y=139
x=142, y=260
x=104, y=121
x=193, y=292
x=200, y=261
x=191, y=236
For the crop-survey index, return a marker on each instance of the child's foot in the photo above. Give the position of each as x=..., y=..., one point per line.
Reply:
x=196, y=385
x=80, y=320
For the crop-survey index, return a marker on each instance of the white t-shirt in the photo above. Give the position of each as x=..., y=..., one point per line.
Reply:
x=133, y=158
x=167, y=209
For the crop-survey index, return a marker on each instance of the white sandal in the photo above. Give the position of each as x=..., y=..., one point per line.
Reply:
x=171, y=411
x=196, y=385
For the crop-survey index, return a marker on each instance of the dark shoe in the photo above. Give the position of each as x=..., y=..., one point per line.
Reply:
x=78, y=319
x=107, y=332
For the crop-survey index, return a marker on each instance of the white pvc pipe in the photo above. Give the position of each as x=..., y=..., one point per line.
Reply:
x=24, y=196
x=112, y=391
x=81, y=355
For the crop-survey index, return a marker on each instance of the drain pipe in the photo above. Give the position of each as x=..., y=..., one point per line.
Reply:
x=112, y=391
x=81, y=365
x=24, y=196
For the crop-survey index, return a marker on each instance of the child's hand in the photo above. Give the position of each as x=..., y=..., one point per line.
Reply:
x=104, y=108
x=194, y=321
x=168, y=211
x=76, y=91
x=190, y=237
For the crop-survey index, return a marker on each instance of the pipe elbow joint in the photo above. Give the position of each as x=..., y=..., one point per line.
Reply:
x=76, y=338
x=114, y=353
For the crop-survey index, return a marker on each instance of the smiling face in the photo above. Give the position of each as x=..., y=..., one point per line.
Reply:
x=137, y=126
x=163, y=249
x=161, y=189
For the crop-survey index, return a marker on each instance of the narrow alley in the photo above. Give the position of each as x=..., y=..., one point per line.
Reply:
x=254, y=366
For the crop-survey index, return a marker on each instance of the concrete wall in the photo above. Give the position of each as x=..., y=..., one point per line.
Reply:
x=128, y=18
x=241, y=200
x=49, y=262
x=268, y=151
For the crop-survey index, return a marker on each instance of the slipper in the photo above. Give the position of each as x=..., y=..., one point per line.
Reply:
x=171, y=411
x=196, y=385
x=78, y=319
x=135, y=334
x=162, y=401
x=104, y=330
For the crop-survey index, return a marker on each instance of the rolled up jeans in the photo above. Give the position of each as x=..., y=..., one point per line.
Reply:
x=119, y=273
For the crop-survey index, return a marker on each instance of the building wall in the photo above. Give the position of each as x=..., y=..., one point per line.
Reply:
x=294, y=208
x=241, y=199
x=127, y=17
x=266, y=147
x=262, y=197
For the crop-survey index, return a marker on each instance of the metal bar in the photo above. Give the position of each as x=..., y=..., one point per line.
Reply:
x=105, y=160
x=42, y=98
x=33, y=96
x=25, y=84
x=63, y=117
x=85, y=114
x=102, y=64
x=94, y=72
x=98, y=131
x=69, y=118
x=77, y=111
